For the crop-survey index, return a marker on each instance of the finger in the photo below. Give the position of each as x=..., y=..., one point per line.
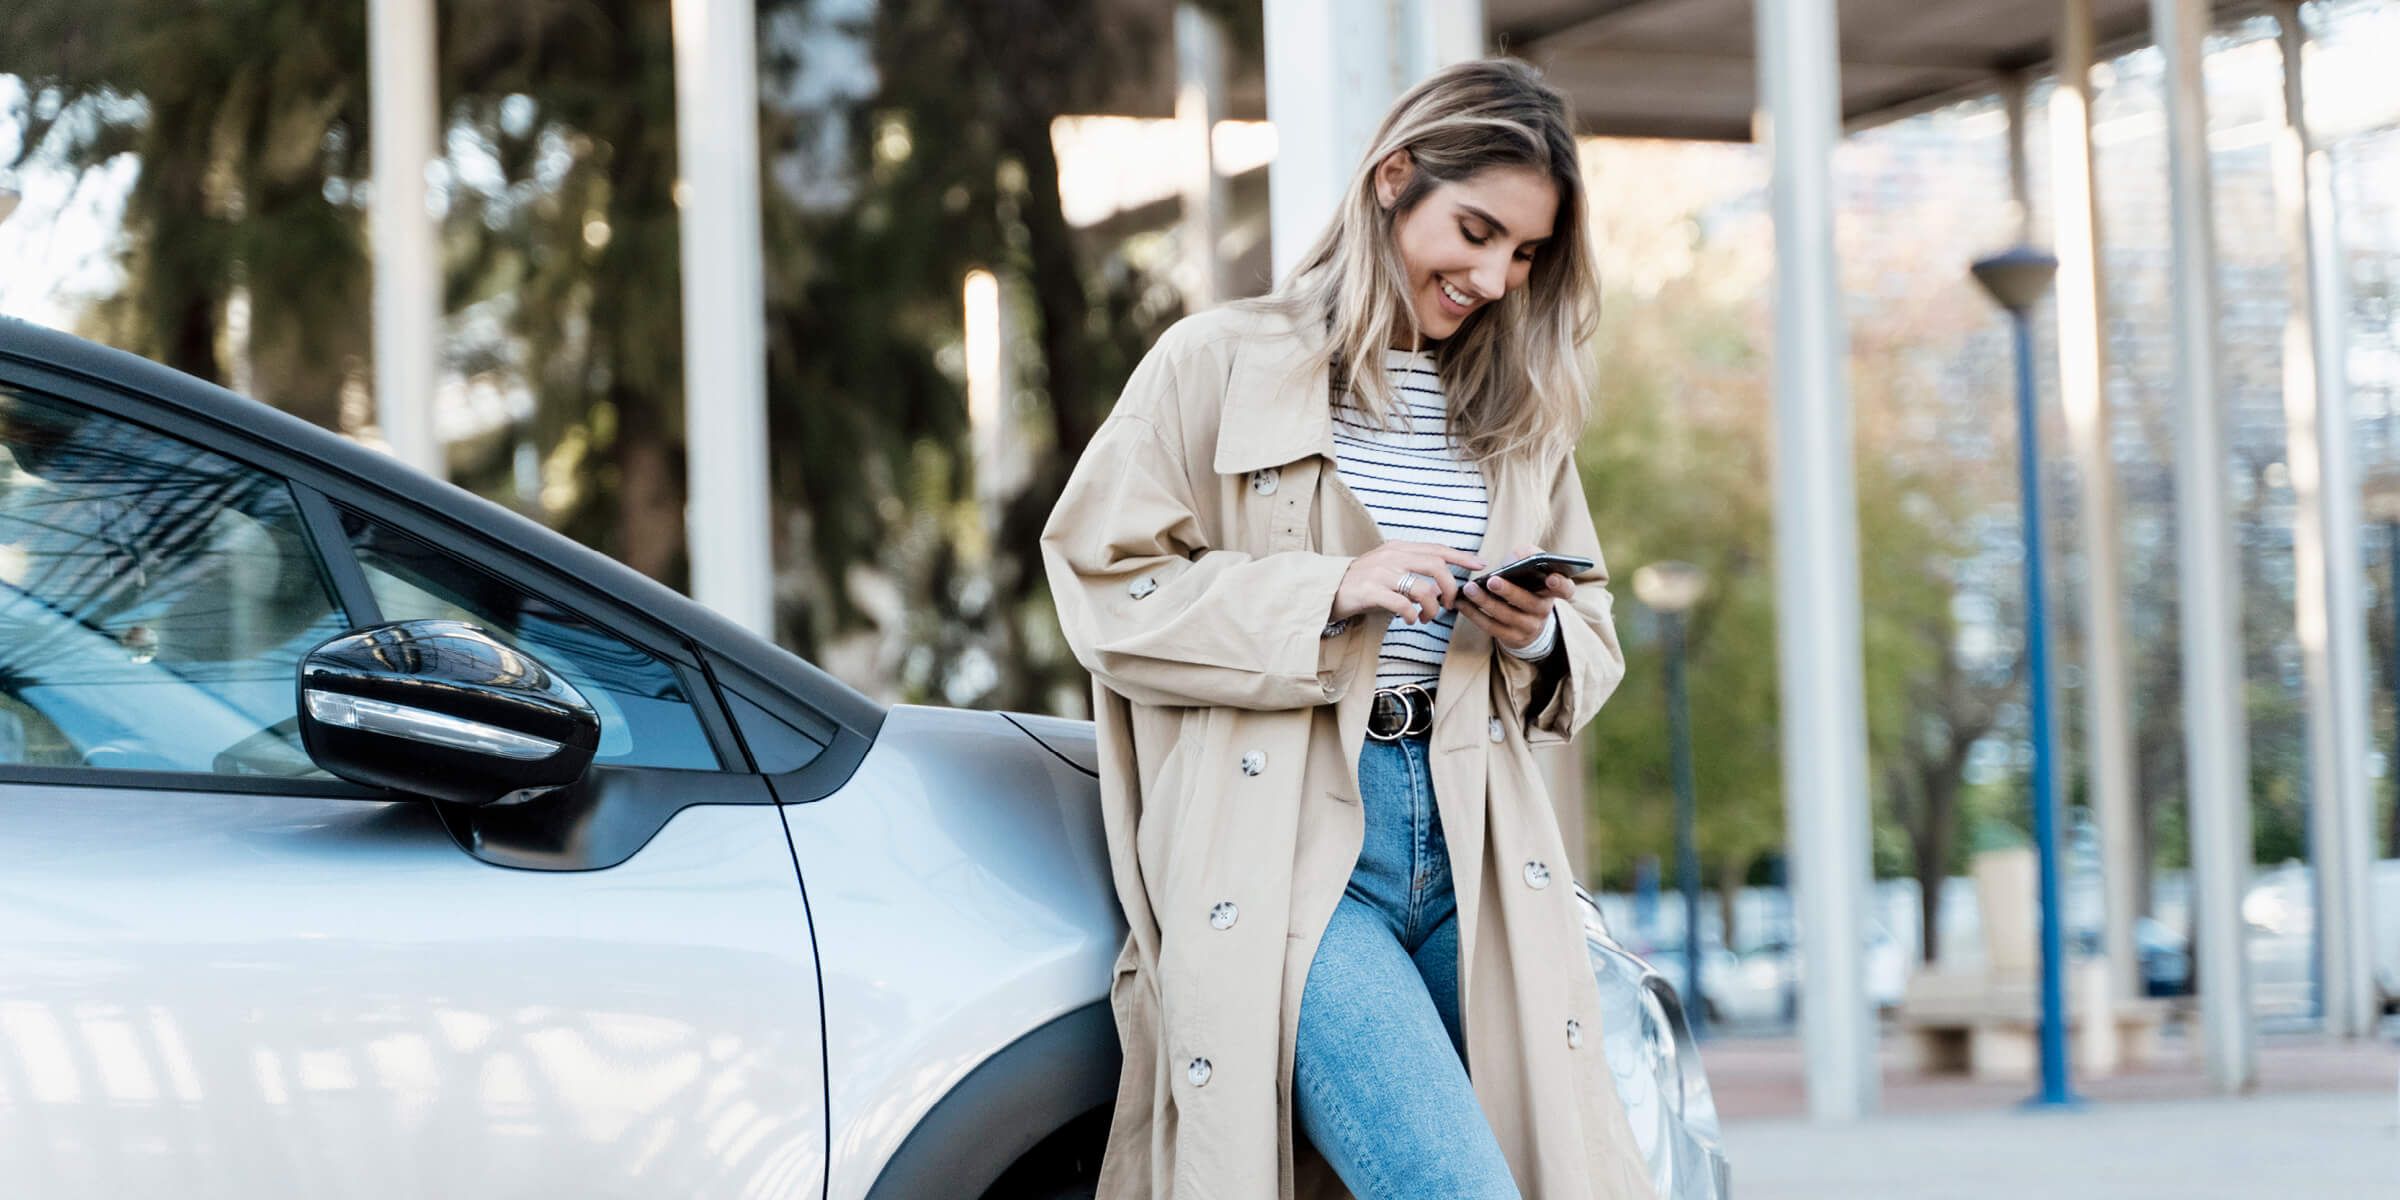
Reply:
x=1560, y=586
x=1427, y=586
x=1461, y=558
x=1510, y=594
x=1474, y=613
x=1436, y=571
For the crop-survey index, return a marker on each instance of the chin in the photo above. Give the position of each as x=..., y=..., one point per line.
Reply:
x=1436, y=327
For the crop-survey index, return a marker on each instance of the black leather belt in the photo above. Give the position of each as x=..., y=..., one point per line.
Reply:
x=1399, y=712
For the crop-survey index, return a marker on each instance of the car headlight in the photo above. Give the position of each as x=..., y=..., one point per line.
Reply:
x=1655, y=1068
x=1658, y=1050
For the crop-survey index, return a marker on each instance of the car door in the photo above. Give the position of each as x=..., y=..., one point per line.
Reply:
x=224, y=972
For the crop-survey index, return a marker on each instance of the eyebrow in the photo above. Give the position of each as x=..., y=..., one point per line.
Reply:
x=1494, y=222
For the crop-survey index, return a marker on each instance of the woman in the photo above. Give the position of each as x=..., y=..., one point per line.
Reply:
x=1345, y=884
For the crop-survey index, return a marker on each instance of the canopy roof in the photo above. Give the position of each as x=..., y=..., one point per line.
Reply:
x=1687, y=68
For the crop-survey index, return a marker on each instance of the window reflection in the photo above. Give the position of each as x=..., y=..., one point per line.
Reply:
x=155, y=600
x=645, y=719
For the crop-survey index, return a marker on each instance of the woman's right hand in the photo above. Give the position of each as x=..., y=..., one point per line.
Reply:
x=1374, y=578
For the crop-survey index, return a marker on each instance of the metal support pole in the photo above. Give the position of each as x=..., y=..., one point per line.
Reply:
x=1199, y=105
x=2328, y=568
x=724, y=310
x=2045, y=735
x=1687, y=824
x=2083, y=394
x=404, y=122
x=2216, y=749
x=1332, y=67
x=1816, y=558
x=2020, y=172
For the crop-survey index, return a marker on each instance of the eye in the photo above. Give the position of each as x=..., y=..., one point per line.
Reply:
x=1472, y=238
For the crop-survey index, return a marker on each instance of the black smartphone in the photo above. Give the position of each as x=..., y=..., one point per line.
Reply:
x=1533, y=571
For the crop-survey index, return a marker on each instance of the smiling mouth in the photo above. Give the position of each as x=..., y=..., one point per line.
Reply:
x=1453, y=295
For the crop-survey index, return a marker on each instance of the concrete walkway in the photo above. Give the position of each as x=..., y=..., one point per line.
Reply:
x=2344, y=1144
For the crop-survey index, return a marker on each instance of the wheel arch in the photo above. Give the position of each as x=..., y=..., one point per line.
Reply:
x=1009, y=1104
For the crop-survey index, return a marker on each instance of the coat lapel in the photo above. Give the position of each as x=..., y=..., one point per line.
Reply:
x=1277, y=403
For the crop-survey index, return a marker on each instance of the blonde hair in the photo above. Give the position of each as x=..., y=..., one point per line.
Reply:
x=1514, y=369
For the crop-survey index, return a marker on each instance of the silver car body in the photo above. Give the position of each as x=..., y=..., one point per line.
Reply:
x=879, y=974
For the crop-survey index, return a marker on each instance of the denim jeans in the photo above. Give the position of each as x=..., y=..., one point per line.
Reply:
x=1379, y=1085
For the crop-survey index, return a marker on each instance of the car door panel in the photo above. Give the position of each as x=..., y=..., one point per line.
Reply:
x=218, y=994
x=961, y=892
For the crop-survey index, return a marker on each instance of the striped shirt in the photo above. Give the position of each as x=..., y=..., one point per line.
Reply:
x=1420, y=487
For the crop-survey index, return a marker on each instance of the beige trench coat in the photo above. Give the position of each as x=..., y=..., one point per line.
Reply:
x=1194, y=558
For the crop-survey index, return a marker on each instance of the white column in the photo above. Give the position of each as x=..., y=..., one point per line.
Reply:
x=2020, y=170
x=2083, y=393
x=1199, y=105
x=724, y=310
x=404, y=125
x=2216, y=750
x=1333, y=67
x=2329, y=574
x=1816, y=559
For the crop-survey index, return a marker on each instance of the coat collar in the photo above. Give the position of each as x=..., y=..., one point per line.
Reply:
x=1278, y=403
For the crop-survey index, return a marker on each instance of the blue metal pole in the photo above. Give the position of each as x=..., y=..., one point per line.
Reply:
x=2045, y=778
x=1687, y=825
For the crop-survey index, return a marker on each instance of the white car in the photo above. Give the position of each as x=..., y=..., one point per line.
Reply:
x=361, y=838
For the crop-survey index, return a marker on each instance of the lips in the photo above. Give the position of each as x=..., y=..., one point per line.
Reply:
x=1453, y=299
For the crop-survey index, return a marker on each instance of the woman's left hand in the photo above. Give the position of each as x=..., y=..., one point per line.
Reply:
x=1514, y=616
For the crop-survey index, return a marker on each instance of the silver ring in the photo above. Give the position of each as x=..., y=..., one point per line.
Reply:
x=1408, y=581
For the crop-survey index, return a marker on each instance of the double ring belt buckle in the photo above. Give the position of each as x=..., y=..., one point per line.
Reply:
x=1396, y=712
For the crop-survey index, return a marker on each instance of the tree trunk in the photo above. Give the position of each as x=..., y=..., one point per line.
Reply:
x=2391, y=846
x=1061, y=304
x=649, y=497
x=1731, y=872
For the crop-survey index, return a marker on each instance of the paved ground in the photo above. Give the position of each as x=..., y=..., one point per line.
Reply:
x=2342, y=1144
x=2324, y=1121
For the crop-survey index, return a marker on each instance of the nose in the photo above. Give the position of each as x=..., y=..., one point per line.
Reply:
x=1490, y=276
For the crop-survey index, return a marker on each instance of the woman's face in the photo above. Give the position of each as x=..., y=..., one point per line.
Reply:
x=1469, y=242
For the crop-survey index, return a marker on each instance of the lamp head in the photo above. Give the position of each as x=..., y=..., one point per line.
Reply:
x=1670, y=587
x=2016, y=277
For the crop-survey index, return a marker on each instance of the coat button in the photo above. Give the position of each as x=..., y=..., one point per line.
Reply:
x=1574, y=1034
x=1198, y=1072
x=1499, y=732
x=1142, y=587
x=1264, y=480
x=1537, y=875
x=1224, y=914
x=1254, y=762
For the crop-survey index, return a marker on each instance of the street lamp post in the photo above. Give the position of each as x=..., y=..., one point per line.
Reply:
x=2017, y=279
x=1670, y=589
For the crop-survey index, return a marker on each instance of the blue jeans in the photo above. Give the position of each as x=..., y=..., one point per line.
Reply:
x=1378, y=1079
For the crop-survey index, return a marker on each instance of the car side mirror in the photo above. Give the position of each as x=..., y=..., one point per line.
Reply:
x=443, y=709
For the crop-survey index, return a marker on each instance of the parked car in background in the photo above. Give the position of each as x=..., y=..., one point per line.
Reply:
x=2279, y=916
x=364, y=838
x=1760, y=985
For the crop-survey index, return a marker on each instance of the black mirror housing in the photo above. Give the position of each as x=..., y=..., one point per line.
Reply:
x=443, y=709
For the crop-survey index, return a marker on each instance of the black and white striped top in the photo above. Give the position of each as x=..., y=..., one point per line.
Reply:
x=1420, y=488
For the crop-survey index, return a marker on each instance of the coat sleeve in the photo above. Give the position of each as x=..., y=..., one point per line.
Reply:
x=1155, y=612
x=1559, y=694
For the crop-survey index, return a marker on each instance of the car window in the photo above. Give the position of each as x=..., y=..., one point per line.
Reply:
x=646, y=720
x=155, y=599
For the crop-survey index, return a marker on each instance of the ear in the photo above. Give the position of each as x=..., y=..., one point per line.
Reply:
x=1392, y=176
